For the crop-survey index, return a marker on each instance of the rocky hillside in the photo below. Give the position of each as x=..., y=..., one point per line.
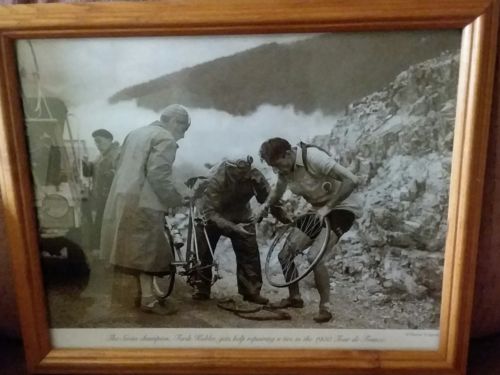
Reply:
x=325, y=72
x=399, y=141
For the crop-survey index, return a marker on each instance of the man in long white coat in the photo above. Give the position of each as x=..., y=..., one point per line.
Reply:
x=142, y=192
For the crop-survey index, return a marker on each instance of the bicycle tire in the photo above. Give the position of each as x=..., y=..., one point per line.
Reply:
x=164, y=285
x=276, y=268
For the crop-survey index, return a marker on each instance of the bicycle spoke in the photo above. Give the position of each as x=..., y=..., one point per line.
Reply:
x=290, y=250
x=288, y=243
x=290, y=269
x=308, y=225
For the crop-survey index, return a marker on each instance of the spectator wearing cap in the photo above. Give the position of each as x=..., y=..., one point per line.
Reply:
x=101, y=171
x=226, y=210
x=142, y=192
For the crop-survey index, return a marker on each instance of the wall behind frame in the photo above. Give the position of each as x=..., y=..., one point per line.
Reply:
x=486, y=310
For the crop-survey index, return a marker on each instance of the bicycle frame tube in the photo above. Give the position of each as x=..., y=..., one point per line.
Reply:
x=189, y=239
x=193, y=230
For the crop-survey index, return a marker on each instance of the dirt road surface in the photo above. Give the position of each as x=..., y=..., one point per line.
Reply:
x=352, y=305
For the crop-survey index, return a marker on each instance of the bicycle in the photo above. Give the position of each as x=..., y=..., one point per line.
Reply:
x=186, y=264
x=296, y=249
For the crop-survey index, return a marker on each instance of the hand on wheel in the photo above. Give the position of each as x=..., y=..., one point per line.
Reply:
x=323, y=212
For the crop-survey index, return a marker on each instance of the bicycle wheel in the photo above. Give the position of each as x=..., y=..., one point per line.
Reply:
x=198, y=273
x=297, y=248
x=163, y=285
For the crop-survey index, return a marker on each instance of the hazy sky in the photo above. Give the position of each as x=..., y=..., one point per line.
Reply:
x=85, y=69
x=86, y=72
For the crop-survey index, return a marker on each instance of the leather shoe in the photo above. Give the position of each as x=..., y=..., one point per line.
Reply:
x=323, y=316
x=256, y=298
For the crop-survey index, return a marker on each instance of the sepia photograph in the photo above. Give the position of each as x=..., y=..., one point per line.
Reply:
x=253, y=191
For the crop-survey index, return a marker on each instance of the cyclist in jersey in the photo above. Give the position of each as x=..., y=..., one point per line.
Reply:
x=310, y=172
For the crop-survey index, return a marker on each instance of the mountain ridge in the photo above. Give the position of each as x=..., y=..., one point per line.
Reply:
x=298, y=73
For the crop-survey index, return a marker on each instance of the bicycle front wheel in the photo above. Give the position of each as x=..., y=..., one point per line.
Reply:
x=163, y=285
x=295, y=251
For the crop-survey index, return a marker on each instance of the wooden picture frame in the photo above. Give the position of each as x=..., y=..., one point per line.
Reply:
x=478, y=20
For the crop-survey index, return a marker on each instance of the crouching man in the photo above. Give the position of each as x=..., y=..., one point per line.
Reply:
x=311, y=173
x=226, y=210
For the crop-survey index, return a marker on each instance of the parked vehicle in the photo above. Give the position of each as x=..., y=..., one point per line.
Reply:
x=61, y=192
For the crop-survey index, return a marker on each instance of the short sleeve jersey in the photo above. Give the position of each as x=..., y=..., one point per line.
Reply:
x=320, y=182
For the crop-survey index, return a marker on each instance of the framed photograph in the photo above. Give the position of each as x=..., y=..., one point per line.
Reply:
x=238, y=187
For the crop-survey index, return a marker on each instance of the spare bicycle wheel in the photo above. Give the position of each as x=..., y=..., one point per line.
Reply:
x=297, y=248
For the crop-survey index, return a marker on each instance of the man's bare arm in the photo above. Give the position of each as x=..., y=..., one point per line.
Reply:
x=348, y=182
x=276, y=192
x=272, y=199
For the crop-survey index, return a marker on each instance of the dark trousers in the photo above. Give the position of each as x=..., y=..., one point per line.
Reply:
x=248, y=270
x=97, y=225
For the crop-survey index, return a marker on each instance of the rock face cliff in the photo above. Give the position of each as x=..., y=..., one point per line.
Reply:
x=399, y=141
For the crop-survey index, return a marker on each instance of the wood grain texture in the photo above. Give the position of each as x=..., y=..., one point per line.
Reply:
x=465, y=214
x=212, y=361
x=203, y=16
x=19, y=215
x=198, y=17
